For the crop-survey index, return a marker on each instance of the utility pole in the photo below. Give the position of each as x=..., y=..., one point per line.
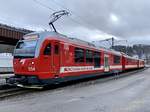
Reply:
x=112, y=45
x=112, y=42
x=108, y=40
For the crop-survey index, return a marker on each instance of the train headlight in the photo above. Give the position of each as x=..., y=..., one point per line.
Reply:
x=32, y=63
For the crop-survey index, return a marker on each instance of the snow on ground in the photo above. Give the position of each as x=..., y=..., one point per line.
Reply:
x=6, y=60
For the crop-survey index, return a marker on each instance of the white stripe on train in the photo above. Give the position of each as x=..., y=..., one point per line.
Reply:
x=68, y=69
x=116, y=67
x=78, y=69
x=131, y=66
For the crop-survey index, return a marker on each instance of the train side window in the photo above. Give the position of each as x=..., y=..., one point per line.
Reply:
x=47, y=50
x=128, y=61
x=89, y=56
x=79, y=55
x=97, y=59
x=56, y=49
x=116, y=59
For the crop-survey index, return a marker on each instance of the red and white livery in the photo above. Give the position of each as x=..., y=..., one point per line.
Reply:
x=48, y=57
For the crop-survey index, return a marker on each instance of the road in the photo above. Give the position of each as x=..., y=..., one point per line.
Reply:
x=127, y=94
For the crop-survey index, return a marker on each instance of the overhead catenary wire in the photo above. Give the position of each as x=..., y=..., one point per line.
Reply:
x=66, y=8
x=43, y=5
x=73, y=13
x=70, y=17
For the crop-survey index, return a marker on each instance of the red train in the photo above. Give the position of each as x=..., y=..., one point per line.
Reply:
x=48, y=57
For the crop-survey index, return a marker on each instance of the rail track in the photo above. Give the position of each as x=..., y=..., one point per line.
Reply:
x=12, y=92
x=7, y=91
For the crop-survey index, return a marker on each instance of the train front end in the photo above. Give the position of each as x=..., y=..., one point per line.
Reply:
x=25, y=62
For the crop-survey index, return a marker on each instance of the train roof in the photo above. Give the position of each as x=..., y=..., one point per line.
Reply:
x=61, y=37
x=46, y=34
x=58, y=36
x=112, y=51
x=77, y=41
x=130, y=57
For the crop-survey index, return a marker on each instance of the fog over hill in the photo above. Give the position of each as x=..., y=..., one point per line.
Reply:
x=141, y=51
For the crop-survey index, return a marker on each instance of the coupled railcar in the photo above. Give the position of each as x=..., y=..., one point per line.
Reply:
x=48, y=57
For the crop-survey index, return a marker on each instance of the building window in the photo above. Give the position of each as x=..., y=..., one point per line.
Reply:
x=47, y=50
x=116, y=59
x=79, y=55
x=89, y=56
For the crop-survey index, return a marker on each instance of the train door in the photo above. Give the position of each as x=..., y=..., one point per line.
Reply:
x=56, y=58
x=46, y=58
x=123, y=63
x=97, y=59
x=138, y=64
x=106, y=63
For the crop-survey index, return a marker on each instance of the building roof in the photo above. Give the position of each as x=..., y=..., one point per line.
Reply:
x=21, y=30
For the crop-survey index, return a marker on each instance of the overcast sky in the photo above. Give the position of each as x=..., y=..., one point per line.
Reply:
x=89, y=20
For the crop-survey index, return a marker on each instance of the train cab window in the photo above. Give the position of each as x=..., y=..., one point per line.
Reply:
x=97, y=59
x=56, y=49
x=47, y=50
x=89, y=56
x=79, y=55
x=116, y=59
